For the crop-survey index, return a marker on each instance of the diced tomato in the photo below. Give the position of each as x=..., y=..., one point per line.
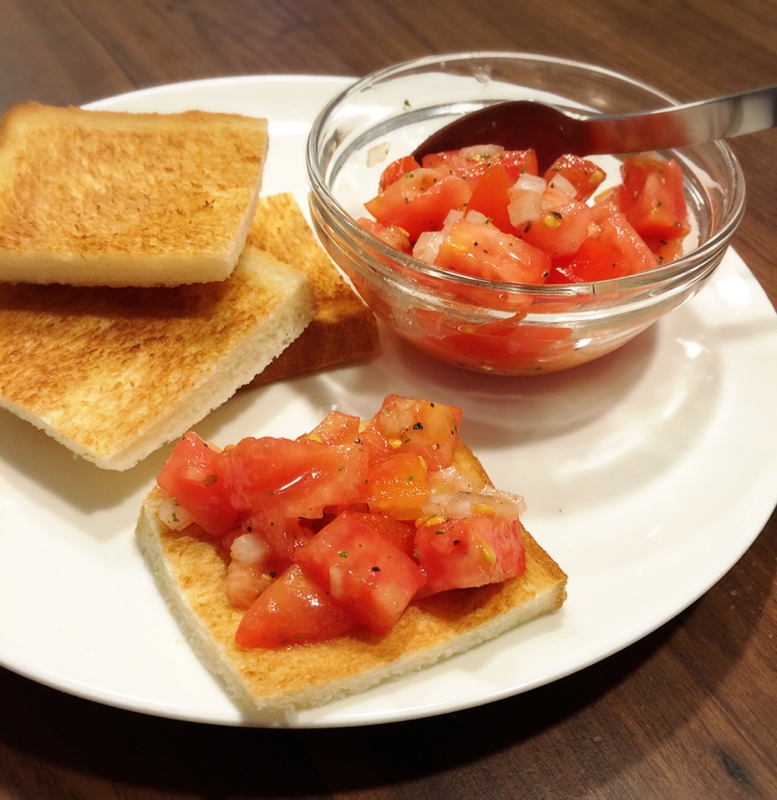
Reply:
x=373, y=580
x=291, y=611
x=617, y=233
x=280, y=536
x=482, y=250
x=583, y=174
x=397, y=485
x=563, y=226
x=336, y=428
x=295, y=478
x=595, y=260
x=427, y=429
x=491, y=196
x=653, y=198
x=194, y=476
x=462, y=553
x=471, y=163
x=392, y=235
x=500, y=346
x=395, y=170
x=419, y=201
x=399, y=532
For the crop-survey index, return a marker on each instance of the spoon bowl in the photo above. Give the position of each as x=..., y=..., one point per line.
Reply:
x=552, y=131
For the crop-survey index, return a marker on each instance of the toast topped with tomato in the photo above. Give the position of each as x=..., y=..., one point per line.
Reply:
x=305, y=570
x=108, y=198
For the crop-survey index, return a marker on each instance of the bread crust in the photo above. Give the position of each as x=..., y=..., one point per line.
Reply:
x=344, y=329
x=111, y=198
x=270, y=686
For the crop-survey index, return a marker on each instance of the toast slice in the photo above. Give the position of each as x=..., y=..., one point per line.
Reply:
x=344, y=329
x=271, y=686
x=115, y=373
x=109, y=198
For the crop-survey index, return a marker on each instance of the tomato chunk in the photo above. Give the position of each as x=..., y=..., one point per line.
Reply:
x=419, y=201
x=653, y=198
x=397, y=486
x=373, y=580
x=462, y=553
x=482, y=250
x=194, y=476
x=584, y=175
x=292, y=610
x=295, y=478
x=470, y=163
x=491, y=196
x=430, y=430
x=395, y=170
x=561, y=228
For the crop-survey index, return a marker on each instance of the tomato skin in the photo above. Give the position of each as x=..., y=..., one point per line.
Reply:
x=397, y=486
x=419, y=201
x=464, y=553
x=360, y=569
x=411, y=425
x=194, y=476
x=295, y=478
x=292, y=611
x=653, y=198
x=482, y=250
x=583, y=174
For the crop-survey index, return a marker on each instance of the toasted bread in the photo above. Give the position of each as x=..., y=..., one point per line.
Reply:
x=110, y=198
x=271, y=686
x=115, y=373
x=344, y=329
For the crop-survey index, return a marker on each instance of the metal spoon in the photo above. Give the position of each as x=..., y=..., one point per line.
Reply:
x=552, y=131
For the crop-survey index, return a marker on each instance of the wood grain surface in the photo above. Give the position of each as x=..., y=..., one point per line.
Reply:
x=689, y=711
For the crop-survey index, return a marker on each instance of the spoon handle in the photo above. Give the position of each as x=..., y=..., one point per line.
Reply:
x=694, y=123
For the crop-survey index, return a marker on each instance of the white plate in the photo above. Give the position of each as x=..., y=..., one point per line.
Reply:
x=647, y=473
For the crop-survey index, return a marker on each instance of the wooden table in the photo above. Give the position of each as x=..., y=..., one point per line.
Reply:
x=688, y=712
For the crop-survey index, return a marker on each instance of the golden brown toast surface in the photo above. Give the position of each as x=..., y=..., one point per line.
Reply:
x=344, y=329
x=124, y=190
x=99, y=365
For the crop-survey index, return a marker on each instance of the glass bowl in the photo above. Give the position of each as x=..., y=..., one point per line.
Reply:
x=488, y=326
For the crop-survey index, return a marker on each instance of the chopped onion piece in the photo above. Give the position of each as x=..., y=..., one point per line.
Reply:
x=249, y=548
x=173, y=515
x=427, y=246
x=563, y=185
x=525, y=206
x=477, y=217
x=465, y=504
x=531, y=183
